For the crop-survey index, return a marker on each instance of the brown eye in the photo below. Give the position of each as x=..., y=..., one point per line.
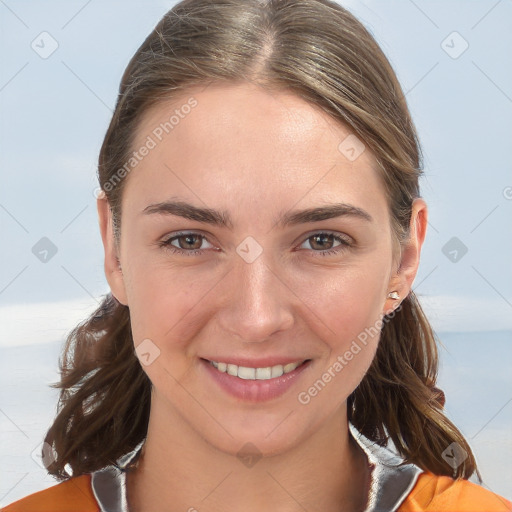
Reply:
x=189, y=241
x=323, y=244
x=322, y=241
x=186, y=243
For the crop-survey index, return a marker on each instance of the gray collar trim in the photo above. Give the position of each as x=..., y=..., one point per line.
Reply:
x=109, y=484
x=391, y=479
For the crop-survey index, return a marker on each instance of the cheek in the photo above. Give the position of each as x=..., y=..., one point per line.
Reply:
x=344, y=300
x=166, y=302
x=164, y=308
x=350, y=308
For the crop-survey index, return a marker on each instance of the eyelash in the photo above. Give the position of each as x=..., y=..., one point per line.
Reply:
x=166, y=244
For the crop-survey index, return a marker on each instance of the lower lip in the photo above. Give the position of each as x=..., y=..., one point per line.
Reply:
x=255, y=390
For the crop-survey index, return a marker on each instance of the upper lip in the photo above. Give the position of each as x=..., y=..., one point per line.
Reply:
x=262, y=362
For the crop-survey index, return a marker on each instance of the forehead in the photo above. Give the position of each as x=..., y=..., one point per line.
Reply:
x=244, y=140
x=257, y=116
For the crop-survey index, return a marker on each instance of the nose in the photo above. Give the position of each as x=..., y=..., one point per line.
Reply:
x=257, y=302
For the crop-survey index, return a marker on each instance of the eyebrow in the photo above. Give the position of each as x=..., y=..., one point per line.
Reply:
x=223, y=219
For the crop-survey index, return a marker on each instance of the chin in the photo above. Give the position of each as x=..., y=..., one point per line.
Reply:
x=255, y=442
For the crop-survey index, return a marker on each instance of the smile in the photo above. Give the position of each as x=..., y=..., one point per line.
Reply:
x=266, y=373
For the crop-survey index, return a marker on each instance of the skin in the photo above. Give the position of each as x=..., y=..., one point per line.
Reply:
x=255, y=155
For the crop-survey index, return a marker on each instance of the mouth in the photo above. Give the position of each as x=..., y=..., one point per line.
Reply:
x=251, y=373
x=255, y=381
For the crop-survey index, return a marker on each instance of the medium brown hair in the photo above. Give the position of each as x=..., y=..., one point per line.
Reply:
x=319, y=51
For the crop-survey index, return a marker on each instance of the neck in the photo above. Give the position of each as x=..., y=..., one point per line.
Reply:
x=178, y=468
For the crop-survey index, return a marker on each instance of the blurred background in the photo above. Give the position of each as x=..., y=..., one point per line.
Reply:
x=61, y=63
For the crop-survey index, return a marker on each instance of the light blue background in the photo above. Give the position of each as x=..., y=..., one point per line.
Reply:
x=54, y=113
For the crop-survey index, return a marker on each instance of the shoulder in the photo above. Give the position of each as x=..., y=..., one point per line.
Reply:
x=74, y=494
x=444, y=494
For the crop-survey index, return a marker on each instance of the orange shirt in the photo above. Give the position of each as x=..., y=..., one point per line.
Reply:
x=434, y=493
x=431, y=493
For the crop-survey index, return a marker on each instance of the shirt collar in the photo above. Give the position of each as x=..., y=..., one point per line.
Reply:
x=391, y=479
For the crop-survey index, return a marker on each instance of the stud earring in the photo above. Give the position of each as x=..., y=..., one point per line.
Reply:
x=393, y=295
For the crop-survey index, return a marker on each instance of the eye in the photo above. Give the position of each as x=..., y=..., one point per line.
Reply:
x=185, y=243
x=190, y=243
x=325, y=243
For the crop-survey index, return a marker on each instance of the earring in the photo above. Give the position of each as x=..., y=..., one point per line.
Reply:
x=393, y=295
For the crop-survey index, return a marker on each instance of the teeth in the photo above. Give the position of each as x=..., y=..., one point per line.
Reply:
x=246, y=373
x=263, y=373
x=277, y=371
x=270, y=372
x=232, y=369
x=287, y=368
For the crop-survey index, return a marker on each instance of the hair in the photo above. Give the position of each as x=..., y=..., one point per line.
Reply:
x=322, y=53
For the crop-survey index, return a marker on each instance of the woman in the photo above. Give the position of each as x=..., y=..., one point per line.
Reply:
x=262, y=225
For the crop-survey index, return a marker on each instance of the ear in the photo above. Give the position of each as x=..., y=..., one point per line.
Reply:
x=408, y=264
x=113, y=270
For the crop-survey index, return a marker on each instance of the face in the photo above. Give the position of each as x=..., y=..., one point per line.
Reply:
x=225, y=258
